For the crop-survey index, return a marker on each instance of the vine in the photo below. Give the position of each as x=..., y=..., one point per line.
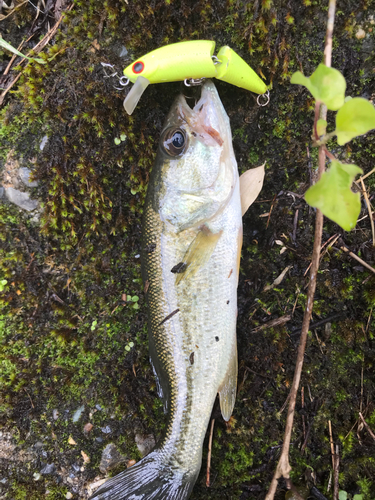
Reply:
x=331, y=195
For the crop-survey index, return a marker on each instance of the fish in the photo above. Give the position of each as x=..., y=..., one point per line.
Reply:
x=191, y=247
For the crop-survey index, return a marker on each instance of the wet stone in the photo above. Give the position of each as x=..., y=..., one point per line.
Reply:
x=111, y=457
x=2, y=192
x=145, y=443
x=24, y=174
x=21, y=199
x=48, y=469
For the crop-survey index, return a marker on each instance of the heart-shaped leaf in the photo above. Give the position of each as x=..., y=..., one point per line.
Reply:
x=356, y=117
x=325, y=84
x=333, y=196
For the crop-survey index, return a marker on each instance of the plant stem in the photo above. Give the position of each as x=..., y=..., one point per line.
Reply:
x=283, y=467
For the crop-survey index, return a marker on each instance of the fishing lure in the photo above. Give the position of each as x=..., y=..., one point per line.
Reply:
x=190, y=61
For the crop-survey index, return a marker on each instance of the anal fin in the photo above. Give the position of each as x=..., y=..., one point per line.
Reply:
x=198, y=253
x=228, y=389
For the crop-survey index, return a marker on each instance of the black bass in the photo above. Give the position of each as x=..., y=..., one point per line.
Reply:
x=192, y=237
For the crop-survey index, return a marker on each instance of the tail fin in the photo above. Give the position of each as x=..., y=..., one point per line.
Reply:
x=149, y=479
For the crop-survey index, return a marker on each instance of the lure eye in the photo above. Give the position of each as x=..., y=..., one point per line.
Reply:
x=138, y=67
x=175, y=141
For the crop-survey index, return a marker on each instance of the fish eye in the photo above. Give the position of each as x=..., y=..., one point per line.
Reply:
x=174, y=141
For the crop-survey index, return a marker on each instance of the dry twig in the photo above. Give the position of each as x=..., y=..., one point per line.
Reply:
x=38, y=47
x=357, y=258
x=283, y=467
x=367, y=426
x=336, y=474
x=369, y=210
x=209, y=453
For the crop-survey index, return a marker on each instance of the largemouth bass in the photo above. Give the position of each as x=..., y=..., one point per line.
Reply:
x=192, y=237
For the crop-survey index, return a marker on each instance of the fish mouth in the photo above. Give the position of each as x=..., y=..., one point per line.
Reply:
x=207, y=119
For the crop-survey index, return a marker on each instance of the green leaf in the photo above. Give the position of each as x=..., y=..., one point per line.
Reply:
x=123, y=137
x=343, y=495
x=131, y=344
x=135, y=298
x=117, y=141
x=356, y=117
x=2, y=284
x=10, y=47
x=325, y=84
x=136, y=306
x=358, y=497
x=333, y=196
x=127, y=348
x=321, y=126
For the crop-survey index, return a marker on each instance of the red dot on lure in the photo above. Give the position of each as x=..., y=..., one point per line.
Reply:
x=138, y=67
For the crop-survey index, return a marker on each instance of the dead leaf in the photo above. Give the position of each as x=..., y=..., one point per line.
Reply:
x=85, y=457
x=251, y=183
x=130, y=463
x=71, y=441
x=278, y=280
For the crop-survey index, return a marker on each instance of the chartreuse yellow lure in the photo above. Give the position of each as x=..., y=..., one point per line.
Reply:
x=189, y=60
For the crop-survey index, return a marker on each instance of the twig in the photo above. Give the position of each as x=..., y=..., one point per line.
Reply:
x=368, y=321
x=295, y=222
x=335, y=237
x=336, y=475
x=303, y=416
x=367, y=426
x=358, y=259
x=38, y=47
x=270, y=212
x=369, y=211
x=332, y=445
x=31, y=401
x=361, y=404
x=209, y=453
x=256, y=373
x=283, y=467
x=272, y=323
x=15, y=8
x=368, y=174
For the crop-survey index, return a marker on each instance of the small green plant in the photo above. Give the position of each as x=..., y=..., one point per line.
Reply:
x=10, y=47
x=332, y=194
x=119, y=140
x=343, y=495
x=2, y=285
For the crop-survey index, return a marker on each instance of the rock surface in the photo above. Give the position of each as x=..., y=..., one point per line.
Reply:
x=24, y=174
x=21, y=199
x=111, y=457
x=145, y=443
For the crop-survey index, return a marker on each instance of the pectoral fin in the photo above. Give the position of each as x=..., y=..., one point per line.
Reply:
x=198, y=253
x=251, y=183
x=228, y=389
